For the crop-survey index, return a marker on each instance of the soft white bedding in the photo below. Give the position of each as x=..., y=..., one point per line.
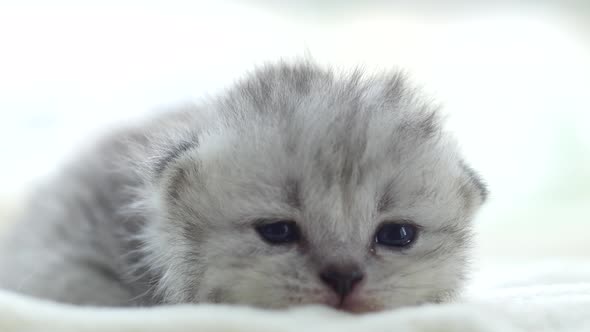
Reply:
x=547, y=296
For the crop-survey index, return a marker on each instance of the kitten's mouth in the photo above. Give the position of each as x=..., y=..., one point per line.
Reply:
x=354, y=305
x=358, y=308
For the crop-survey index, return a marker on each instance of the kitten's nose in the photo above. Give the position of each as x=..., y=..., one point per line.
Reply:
x=342, y=279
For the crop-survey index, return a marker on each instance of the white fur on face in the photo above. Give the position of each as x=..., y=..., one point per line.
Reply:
x=338, y=155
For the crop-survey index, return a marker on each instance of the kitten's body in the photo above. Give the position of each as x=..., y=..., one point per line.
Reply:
x=163, y=213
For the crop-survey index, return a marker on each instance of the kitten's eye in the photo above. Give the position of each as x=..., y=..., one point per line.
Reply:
x=280, y=232
x=395, y=235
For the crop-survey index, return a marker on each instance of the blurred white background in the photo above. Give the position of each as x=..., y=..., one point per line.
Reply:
x=514, y=77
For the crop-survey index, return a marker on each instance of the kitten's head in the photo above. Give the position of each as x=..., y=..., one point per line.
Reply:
x=309, y=187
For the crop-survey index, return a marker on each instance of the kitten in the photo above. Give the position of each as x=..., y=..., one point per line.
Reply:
x=297, y=186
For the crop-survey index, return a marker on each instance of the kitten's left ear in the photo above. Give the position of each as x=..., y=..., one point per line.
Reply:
x=476, y=181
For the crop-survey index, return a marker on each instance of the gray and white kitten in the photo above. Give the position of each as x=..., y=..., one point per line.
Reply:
x=297, y=186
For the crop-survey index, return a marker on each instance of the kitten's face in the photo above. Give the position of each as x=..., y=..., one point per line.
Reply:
x=359, y=207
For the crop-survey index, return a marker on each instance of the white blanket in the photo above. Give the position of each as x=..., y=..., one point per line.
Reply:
x=534, y=297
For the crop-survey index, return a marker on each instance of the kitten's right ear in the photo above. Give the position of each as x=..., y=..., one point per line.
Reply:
x=177, y=171
x=174, y=153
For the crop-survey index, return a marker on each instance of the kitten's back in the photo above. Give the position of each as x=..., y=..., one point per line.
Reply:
x=66, y=245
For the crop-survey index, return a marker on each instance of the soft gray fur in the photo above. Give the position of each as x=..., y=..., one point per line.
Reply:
x=164, y=212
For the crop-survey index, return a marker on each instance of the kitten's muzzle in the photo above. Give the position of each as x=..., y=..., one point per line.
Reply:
x=342, y=278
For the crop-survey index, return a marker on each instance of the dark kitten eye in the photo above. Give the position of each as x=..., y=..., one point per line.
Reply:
x=395, y=235
x=280, y=232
